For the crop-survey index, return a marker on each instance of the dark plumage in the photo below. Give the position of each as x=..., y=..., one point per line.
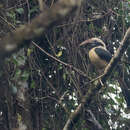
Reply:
x=98, y=54
x=103, y=54
x=100, y=57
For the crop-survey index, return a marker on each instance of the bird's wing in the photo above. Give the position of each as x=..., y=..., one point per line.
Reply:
x=103, y=54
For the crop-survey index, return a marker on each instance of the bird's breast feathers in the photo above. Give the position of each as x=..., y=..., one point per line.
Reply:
x=99, y=57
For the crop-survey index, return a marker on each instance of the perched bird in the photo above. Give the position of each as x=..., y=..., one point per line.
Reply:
x=100, y=57
x=98, y=54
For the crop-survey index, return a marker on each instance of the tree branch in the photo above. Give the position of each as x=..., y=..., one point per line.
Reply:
x=92, y=120
x=74, y=117
x=47, y=19
x=63, y=63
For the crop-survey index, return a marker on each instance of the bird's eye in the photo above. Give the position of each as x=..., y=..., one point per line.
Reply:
x=95, y=41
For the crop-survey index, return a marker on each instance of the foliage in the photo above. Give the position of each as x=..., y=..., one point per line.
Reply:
x=54, y=87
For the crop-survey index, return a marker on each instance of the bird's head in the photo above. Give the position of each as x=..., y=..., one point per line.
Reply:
x=93, y=42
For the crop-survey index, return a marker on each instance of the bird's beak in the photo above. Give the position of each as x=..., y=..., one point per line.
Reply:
x=86, y=42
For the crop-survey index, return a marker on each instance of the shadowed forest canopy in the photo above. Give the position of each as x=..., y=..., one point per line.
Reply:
x=47, y=81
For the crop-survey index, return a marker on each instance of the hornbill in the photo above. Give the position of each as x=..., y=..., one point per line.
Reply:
x=100, y=57
x=98, y=54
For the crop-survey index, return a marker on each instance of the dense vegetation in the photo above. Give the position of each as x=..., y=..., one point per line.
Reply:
x=41, y=86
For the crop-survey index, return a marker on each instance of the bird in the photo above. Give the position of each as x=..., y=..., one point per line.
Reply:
x=100, y=58
x=98, y=53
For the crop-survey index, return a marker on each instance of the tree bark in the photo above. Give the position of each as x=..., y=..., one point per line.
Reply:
x=47, y=19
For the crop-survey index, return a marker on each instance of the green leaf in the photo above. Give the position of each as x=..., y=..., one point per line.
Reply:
x=25, y=75
x=33, y=84
x=15, y=61
x=17, y=73
x=111, y=101
x=29, y=51
x=64, y=76
x=34, y=9
x=112, y=89
x=20, y=10
x=11, y=14
x=59, y=54
x=44, y=129
x=119, y=100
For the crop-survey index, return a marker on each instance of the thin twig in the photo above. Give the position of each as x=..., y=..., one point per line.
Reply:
x=63, y=63
x=85, y=20
x=93, y=90
x=99, y=77
x=7, y=22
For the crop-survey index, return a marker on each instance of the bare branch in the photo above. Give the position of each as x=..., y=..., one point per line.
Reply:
x=63, y=63
x=23, y=35
x=74, y=117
